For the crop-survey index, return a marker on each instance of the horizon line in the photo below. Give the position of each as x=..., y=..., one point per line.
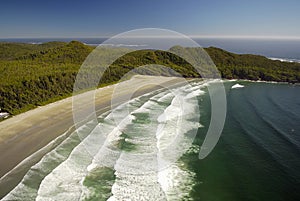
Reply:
x=164, y=36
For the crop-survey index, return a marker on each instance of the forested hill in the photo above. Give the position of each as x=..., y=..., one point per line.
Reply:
x=35, y=74
x=253, y=67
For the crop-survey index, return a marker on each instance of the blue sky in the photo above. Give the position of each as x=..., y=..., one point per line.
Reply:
x=97, y=18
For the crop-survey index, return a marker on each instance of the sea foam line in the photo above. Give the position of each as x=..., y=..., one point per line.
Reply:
x=138, y=175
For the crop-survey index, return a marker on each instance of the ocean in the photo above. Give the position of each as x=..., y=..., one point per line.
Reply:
x=152, y=152
x=257, y=156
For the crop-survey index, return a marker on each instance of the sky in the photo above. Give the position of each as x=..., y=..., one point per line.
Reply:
x=105, y=18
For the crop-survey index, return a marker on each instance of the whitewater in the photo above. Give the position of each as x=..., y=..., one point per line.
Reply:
x=130, y=153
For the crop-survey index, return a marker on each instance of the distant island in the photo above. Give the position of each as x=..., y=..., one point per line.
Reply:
x=37, y=74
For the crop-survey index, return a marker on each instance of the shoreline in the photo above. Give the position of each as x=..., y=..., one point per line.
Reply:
x=40, y=127
x=25, y=134
x=258, y=81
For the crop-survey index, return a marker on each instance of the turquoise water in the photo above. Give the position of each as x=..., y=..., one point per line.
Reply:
x=146, y=149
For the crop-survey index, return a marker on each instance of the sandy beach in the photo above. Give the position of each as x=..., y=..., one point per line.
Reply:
x=24, y=134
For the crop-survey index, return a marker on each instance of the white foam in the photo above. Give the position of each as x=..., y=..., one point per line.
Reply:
x=22, y=191
x=63, y=182
x=165, y=98
x=195, y=93
x=285, y=60
x=107, y=155
x=171, y=139
x=176, y=183
x=237, y=86
x=136, y=171
x=128, y=184
x=172, y=143
x=64, y=179
x=172, y=111
x=137, y=187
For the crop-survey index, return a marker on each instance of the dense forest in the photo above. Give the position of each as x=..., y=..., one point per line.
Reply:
x=36, y=74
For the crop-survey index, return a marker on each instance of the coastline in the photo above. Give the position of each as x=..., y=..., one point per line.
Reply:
x=27, y=133
x=27, y=137
x=258, y=81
